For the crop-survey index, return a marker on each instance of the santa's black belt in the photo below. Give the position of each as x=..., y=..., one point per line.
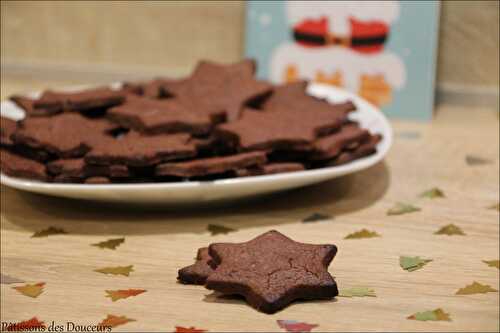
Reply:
x=323, y=40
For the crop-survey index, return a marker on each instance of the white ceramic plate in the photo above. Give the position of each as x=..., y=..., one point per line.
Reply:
x=228, y=189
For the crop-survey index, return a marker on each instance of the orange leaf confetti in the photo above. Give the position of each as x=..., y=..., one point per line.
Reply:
x=180, y=329
x=32, y=324
x=115, y=295
x=113, y=321
x=31, y=290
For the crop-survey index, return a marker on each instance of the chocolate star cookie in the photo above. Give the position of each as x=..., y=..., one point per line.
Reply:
x=18, y=166
x=215, y=87
x=159, y=116
x=271, y=271
x=330, y=146
x=280, y=129
x=212, y=165
x=294, y=97
x=199, y=271
x=134, y=149
x=66, y=135
x=83, y=100
x=27, y=104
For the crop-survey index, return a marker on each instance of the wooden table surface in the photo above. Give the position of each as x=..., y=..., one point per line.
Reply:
x=158, y=242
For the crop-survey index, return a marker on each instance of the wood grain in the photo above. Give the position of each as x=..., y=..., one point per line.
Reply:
x=159, y=242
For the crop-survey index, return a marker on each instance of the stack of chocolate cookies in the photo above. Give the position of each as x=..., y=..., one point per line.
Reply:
x=220, y=122
x=270, y=271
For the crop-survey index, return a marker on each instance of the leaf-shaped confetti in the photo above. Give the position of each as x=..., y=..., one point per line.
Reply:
x=357, y=292
x=48, y=232
x=433, y=315
x=31, y=325
x=216, y=229
x=411, y=264
x=316, y=217
x=475, y=288
x=5, y=279
x=295, y=326
x=180, y=329
x=363, y=233
x=402, y=208
x=495, y=206
x=113, y=321
x=432, y=193
x=450, y=230
x=110, y=243
x=118, y=270
x=492, y=263
x=476, y=160
x=115, y=295
x=31, y=290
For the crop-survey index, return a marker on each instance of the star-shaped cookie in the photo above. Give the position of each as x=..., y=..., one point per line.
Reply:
x=271, y=271
x=279, y=129
x=294, y=96
x=66, y=134
x=221, y=88
x=154, y=116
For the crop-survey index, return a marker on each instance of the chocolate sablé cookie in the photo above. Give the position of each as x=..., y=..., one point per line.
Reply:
x=217, y=123
x=270, y=271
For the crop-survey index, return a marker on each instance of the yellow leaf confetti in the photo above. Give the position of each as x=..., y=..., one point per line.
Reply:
x=31, y=290
x=113, y=321
x=317, y=217
x=363, y=233
x=432, y=193
x=215, y=229
x=118, y=270
x=433, y=315
x=475, y=288
x=402, y=208
x=492, y=263
x=110, y=243
x=411, y=264
x=450, y=230
x=48, y=232
x=357, y=292
x=115, y=295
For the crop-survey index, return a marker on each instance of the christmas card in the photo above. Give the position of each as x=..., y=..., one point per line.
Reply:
x=385, y=51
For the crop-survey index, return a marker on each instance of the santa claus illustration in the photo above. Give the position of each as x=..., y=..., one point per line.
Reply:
x=341, y=43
